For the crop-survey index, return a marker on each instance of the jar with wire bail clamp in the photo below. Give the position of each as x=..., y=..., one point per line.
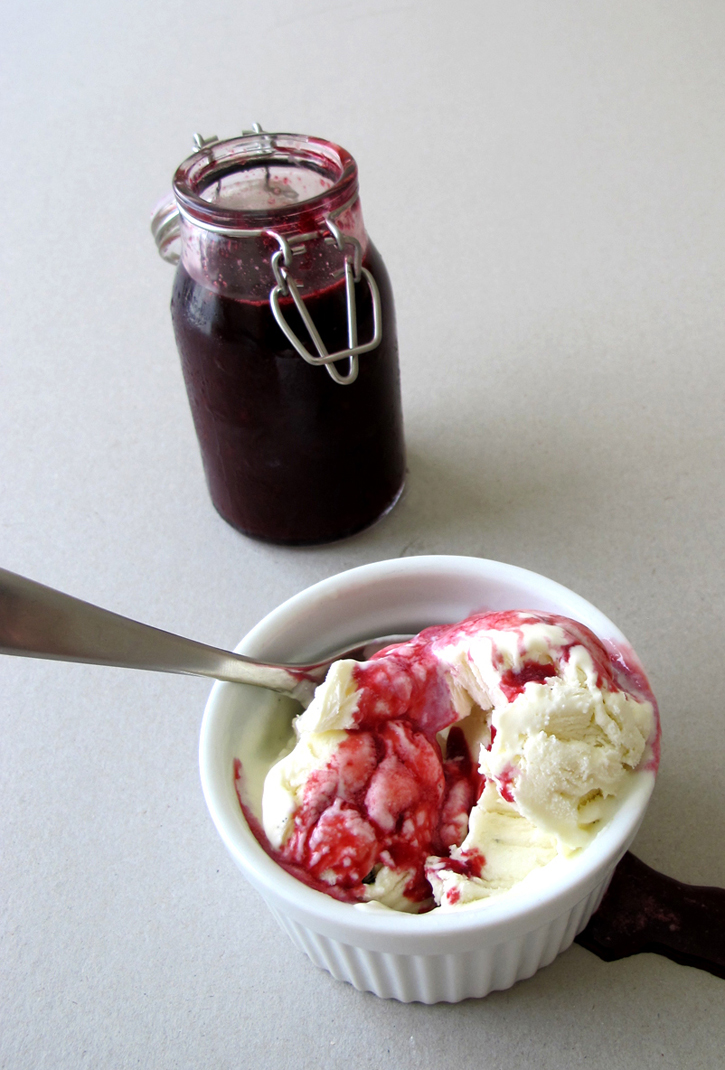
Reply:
x=285, y=325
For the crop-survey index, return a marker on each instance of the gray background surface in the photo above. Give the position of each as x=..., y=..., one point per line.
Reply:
x=544, y=180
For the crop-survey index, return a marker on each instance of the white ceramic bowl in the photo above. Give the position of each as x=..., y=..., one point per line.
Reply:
x=436, y=956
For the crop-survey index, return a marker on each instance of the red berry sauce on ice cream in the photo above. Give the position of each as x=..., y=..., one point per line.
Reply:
x=448, y=768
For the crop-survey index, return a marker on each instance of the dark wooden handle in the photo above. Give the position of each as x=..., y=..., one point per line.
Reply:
x=644, y=910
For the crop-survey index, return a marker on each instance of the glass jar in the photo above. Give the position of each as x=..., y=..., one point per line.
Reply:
x=285, y=325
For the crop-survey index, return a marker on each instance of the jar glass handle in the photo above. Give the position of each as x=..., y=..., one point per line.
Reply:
x=166, y=229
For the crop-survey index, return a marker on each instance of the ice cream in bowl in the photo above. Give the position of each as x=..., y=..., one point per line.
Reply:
x=442, y=820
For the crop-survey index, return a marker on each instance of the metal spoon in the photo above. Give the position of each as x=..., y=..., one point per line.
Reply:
x=40, y=622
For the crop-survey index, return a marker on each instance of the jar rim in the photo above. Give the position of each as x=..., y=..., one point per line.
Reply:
x=219, y=159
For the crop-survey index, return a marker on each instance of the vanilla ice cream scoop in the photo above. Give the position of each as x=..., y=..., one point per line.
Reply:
x=451, y=767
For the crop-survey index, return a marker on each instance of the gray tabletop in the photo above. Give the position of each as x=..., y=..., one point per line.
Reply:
x=544, y=181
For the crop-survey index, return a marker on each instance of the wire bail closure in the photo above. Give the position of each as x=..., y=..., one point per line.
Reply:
x=166, y=229
x=287, y=287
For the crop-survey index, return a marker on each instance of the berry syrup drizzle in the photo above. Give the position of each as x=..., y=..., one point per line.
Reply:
x=389, y=796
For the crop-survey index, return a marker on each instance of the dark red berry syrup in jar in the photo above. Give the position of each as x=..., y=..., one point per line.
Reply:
x=296, y=448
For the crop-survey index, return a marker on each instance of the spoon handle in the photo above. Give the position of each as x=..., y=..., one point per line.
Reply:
x=40, y=622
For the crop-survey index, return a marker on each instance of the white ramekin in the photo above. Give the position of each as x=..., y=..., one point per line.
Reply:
x=440, y=956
